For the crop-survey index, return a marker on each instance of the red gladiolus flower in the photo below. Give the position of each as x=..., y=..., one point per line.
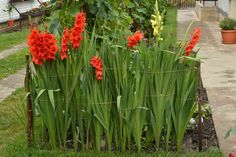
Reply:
x=99, y=75
x=195, y=36
x=231, y=154
x=42, y=46
x=135, y=39
x=77, y=30
x=97, y=64
x=65, y=43
x=34, y=46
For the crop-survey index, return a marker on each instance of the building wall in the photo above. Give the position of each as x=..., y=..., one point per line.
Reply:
x=21, y=6
x=224, y=7
x=232, y=12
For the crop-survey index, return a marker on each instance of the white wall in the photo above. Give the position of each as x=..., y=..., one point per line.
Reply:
x=223, y=5
x=21, y=6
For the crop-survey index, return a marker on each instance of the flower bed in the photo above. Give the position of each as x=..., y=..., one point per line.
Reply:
x=112, y=94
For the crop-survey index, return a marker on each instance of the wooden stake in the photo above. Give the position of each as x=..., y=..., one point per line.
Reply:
x=200, y=103
x=28, y=103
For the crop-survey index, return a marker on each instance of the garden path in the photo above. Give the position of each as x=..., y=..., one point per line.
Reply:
x=218, y=74
x=11, y=51
x=11, y=83
x=14, y=81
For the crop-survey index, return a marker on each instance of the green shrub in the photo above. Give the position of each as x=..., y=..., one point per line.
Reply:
x=108, y=15
x=227, y=24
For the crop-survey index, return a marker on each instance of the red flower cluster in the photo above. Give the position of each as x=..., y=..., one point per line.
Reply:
x=195, y=36
x=42, y=46
x=65, y=43
x=135, y=39
x=77, y=30
x=231, y=154
x=96, y=63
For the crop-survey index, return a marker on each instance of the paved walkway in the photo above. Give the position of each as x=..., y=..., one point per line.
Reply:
x=11, y=83
x=14, y=81
x=11, y=51
x=219, y=75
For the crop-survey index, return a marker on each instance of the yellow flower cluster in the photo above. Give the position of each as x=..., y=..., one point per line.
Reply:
x=157, y=23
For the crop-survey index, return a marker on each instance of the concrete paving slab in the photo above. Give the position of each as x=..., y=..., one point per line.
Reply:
x=11, y=83
x=11, y=51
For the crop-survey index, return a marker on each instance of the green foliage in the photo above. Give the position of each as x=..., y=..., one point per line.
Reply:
x=107, y=15
x=9, y=10
x=227, y=24
x=230, y=132
x=13, y=143
x=206, y=111
x=170, y=32
x=147, y=94
x=74, y=106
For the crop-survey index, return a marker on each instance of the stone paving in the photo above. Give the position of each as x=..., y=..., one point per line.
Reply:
x=218, y=73
x=14, y=81
x=11, y=51
x=11, y=83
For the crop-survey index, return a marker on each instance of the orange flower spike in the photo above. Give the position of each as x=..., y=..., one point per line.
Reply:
x=135, y=39
x=99, y=75
x=138, y=36
x=42, y=46
x=65, y=43
x=34, y=43
x=97, y=64
x=77, y=30
x=195, y=37
x=50, y=46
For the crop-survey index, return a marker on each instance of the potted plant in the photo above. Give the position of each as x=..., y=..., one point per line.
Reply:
x=9, y=10
x=227, y=31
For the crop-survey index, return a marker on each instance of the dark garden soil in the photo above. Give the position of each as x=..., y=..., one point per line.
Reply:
x=209, y=137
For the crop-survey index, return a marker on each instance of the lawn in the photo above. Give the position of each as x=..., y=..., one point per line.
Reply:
x=12, y=63
x=20, y=149
x=170, y=27
x=7, y=40
x=11, y=124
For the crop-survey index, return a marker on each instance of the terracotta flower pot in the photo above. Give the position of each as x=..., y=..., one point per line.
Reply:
x=228, y=36
x=10, y=23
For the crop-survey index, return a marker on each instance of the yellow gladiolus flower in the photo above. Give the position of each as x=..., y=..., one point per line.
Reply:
x=157, y=23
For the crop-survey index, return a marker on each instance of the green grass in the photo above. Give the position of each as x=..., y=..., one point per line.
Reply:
x=7, y=40
x=11, y=116
x=170, y=26
x=19, y=148
x=12, y=63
